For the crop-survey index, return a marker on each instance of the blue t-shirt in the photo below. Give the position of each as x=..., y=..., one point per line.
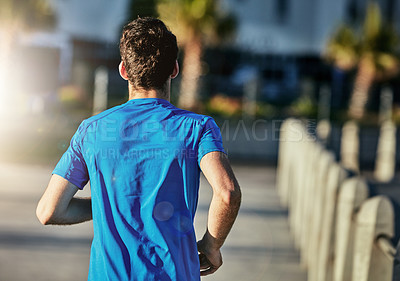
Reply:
x=142, y=159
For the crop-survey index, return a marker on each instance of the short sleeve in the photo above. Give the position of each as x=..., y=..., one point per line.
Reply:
x=72, y=165
x=210, y=139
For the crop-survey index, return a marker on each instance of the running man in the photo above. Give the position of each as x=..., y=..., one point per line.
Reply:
x=143, y=159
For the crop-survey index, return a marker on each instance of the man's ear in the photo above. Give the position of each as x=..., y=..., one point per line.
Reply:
x=175, y=72
x=122, y=71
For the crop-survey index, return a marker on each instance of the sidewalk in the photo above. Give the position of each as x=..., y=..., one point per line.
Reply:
x=258, y=248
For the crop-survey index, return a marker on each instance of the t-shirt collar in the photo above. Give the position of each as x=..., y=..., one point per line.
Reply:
x=148, y=101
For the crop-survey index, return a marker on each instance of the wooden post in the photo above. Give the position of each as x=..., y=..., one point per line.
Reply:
x=100, y=90
x=324, y=104
x=335, y=178
x=386, y=153
x=324, y=131
x=82, y=77
x=316, y=151
x=350, y=146
x=251, y=89
x=353, y=192
x=325, y=161
x=284, y=160
x=375, y=222
x=302, y=155
x=300, y=158
x=296, y=138
x=386, y=103
x=293, y=136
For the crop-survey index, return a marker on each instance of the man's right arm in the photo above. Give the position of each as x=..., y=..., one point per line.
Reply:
x=223, y=209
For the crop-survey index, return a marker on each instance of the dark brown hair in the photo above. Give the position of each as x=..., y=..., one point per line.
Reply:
x=149, y=51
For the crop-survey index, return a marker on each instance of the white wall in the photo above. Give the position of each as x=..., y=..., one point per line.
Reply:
x=307, y=25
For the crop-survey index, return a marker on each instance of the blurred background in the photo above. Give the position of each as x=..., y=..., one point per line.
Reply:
x=250, y=64
x=241, y=60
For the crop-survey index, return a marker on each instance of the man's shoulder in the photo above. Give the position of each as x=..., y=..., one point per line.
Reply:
x=201, y=118
x=87, y=122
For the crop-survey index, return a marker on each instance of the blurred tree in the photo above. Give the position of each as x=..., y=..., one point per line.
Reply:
x=28, y=14
x=196, y=23
x=17, y=16
x=374, y=51
x=142, y=8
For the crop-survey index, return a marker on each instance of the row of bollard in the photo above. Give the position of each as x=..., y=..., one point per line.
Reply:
x=341, y=233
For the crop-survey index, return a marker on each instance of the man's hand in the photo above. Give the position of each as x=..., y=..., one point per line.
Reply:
x=210, y=259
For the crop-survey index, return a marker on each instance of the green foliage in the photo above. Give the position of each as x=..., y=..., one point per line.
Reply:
x=342, y=48
x=304, y=106
x=196, y=23
x=373, y=22
x=266, y=110
x=377, y=42
x=190, y=19
x=232, y=108
x=224, y=106
x=28, y=14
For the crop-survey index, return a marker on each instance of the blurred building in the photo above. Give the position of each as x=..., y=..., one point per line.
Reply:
x=297, y=27
x=286, y=26
x=84, y=38
x=91, y=20
x=280, y=41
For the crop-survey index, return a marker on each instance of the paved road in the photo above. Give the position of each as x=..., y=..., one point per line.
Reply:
x=259, y=247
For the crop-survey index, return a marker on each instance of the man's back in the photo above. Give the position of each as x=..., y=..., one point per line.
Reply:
x=142, y=159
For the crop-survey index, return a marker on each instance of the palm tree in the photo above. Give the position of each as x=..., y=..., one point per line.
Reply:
x=196, y=23
x=17, y=16
x=373, y=52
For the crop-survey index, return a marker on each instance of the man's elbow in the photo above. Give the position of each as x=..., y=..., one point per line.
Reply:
x=44, y=214
x=232, y=197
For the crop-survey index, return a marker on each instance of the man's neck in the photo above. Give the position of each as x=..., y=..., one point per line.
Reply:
x=141, y=94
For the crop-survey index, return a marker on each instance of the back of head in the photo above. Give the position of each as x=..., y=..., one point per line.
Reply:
x=149, y=51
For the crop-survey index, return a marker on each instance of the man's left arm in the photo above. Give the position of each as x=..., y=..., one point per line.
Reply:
x=59, y=206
